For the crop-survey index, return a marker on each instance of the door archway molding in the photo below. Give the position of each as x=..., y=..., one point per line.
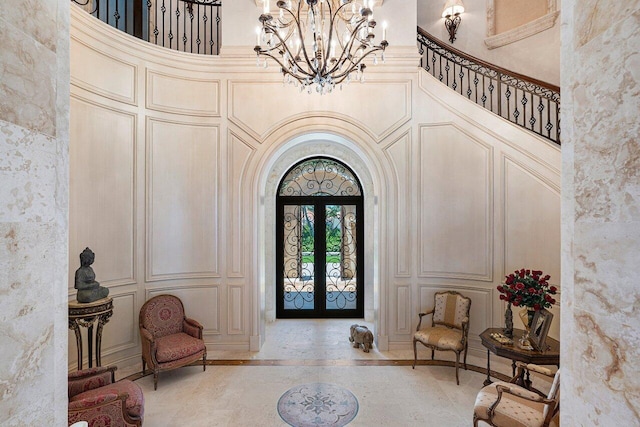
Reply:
x=269, y=174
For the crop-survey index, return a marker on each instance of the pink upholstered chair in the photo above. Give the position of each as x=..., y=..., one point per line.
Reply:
x=169, y=339
x=95, y=397
x=502, y=404
x=449, y=328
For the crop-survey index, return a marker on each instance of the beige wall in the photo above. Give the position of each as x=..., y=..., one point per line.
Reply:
x=176, y=159
x=34, y=138
x=536, y=55
x=601, y=219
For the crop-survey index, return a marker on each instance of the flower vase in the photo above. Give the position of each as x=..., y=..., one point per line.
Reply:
x=526, y=315
x=508, y=322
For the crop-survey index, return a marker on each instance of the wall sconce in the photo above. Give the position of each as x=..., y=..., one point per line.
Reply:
x=451, y=13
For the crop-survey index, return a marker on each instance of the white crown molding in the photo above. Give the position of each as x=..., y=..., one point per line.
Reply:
x=527, y=30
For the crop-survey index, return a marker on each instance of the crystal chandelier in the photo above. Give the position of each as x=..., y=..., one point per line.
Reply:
x=319, y=42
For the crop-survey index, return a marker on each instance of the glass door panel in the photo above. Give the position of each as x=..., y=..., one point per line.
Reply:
x=340, y=261
x=298, y=257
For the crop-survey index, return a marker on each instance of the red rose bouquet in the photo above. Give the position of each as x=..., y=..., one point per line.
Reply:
x=528, y=288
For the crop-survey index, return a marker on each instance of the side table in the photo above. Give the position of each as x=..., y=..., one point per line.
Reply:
x=551, y=356
x=86, y=315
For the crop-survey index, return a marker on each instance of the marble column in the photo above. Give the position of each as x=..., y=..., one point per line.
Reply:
x=34, y=140
x=600, y=332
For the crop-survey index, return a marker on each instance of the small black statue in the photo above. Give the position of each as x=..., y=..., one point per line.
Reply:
x=508, y=322
x=85, y=281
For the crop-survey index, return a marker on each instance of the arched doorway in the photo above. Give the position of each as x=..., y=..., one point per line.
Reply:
x=320, y=242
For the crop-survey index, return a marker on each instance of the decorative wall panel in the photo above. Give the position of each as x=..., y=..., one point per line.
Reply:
x=357, y=104
x=201, y=303
x=456, y=204
x=235, y=311
x=121, y=332
x=103, y=74
x=531, y=221
x=182, y=200
x=182, y=94
x=102, y=191
x=403, y=319
x=239, y=155
x=399, y=152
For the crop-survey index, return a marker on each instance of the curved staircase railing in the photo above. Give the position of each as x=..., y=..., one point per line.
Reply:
x=527, y=102
x=185, y=25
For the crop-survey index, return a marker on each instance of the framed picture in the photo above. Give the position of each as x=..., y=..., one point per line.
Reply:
x=540, y=328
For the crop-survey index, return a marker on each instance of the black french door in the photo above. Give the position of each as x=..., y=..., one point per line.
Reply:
x=320, y=265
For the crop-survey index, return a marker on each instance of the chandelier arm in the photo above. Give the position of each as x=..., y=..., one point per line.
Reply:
x=304, y=49
x=356, y=63
x=347, y=48
x=282, y=67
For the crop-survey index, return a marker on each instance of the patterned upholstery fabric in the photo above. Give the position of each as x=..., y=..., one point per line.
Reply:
x=134, y=403
x=163, y=315
x=512, y=411
x=449, y=327
x=177, y=346
x=450, y=309
x=169, y=339
x=442, y=337
x=78, y=384
x=96, y=398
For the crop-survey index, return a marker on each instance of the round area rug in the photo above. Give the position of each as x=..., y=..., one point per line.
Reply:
x=317, y=404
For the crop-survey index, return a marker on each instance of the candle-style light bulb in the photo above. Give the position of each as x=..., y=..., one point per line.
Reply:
x=266, y=6
x=257, y=36
x=384, y=30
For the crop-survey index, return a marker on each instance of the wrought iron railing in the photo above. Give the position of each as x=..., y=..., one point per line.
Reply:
x=530, y=103
x=185, y=25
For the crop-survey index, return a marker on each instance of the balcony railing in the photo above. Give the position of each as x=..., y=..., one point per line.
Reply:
x=184, y=25
x=527, y=102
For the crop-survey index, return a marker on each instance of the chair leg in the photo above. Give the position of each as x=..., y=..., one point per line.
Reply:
x=415, y=354
x=466, y=348
x=204, y=362
x=432, y=354
x=457, y=363
x=144, y=365
x=476, y=420
x=155, y=380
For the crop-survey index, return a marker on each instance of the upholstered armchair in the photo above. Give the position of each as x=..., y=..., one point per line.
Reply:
x=449, y=328
x=169, y=339
x=502, y=404
x=95, y=397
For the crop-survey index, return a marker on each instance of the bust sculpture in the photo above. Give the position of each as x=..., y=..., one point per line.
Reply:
x=85, y=281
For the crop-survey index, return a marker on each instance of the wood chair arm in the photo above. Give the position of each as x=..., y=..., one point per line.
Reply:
x=516, y=391
x=421, y=315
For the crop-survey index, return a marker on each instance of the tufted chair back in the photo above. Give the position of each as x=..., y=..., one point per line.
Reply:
x=162, y=315
x=451, y=309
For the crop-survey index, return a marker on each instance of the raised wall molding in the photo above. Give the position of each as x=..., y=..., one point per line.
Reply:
x=89, y=66
x=529, y=29
x=530, y=239
x=360, y=105
x=235, y=310
x=121, y=332
x=202, y=303
x=451, y=196
x=403, y=309
x=108, y=150
x=239, y=155
x=182, y=95
x=399, y=154
x=183, y=163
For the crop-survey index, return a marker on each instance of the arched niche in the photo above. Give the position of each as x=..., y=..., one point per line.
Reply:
x=271, y=173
